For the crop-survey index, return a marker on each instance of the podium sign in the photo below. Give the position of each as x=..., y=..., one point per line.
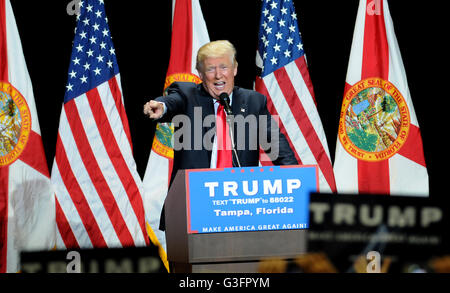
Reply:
x=249, y=198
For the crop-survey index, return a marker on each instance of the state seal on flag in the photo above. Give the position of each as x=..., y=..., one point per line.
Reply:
x=181, y=76
x=374, y=121
x=15, y=123
x=162, y=142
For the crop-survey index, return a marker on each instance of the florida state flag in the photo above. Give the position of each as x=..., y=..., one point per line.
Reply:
x=189, y=33
x=379, y=145
x=27, y=202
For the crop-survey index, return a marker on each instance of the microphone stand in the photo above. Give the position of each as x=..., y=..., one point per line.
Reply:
x=230, y=127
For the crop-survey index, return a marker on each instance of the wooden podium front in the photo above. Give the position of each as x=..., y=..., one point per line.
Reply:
x=231, y=252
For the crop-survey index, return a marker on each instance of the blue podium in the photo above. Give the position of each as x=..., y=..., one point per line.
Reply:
x=227, y=220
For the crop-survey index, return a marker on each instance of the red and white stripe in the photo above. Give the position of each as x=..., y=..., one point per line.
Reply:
x=27, y=203
x=98, y=189
x=290, y=96
x=375, y=53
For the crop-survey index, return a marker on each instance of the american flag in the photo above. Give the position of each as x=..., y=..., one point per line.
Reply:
x=285, y=81
x=98, y=189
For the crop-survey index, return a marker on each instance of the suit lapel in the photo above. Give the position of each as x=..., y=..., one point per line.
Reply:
x=205, y=101
x=239, y=104
x=238, y=107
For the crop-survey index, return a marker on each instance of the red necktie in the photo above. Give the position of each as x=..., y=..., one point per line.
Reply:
x=224, y=156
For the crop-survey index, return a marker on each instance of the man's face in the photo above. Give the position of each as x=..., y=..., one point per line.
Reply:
x=218, y=75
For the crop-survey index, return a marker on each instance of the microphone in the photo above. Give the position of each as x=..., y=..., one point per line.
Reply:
x=224, y=100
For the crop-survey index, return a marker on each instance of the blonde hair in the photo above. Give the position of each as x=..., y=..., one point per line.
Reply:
x=215, y=49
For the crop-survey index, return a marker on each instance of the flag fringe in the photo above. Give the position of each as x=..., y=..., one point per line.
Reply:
x=161, y=251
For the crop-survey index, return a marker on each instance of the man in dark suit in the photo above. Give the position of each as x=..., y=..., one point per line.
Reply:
x=196, y=106
x=195, y=141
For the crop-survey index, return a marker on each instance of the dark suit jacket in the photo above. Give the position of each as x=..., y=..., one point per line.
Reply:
x=184, y=97
x=189, y=98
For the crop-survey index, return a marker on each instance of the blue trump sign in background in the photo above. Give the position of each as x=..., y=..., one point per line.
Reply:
x=249, y=199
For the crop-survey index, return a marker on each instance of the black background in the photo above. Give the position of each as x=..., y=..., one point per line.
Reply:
x=141, y=33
